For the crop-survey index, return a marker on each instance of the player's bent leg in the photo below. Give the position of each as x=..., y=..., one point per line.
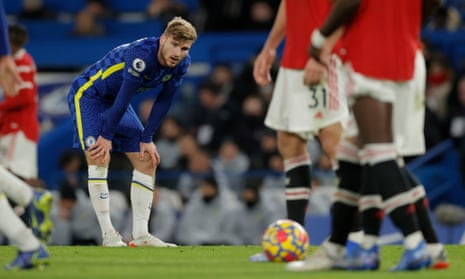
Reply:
x=14, y=188
x=142, y=187
x=434, y=247
x=36, y=202
x=100, y=198
x=31, y=253
x=293, y=149
x=38, y=214
x=330, y=137
x=297, y=169
x=291, y=145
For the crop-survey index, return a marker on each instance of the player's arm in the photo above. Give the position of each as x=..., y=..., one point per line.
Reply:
x=429, y=7
x=163, y=102
x=9, y=77
x=267, y=55
x=159, y=110
x=314, y=70
x=101, y=148
x=278, y=30
x=341, y=13
x=114, y=114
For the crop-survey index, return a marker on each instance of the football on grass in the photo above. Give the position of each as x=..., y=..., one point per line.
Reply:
x=285, y=241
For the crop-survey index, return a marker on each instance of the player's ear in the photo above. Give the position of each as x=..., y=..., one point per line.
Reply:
x=162, y=38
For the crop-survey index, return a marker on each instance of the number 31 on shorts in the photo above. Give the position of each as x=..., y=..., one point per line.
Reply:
x=317, y=97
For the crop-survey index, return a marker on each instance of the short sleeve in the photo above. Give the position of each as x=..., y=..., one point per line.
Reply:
x=137, y=63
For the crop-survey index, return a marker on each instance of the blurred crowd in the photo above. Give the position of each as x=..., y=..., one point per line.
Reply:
x=214, y=147
x=207, y=15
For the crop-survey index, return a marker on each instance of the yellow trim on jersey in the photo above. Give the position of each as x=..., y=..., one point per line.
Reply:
x=77, y=106
x=84, y=87
x=112, y=69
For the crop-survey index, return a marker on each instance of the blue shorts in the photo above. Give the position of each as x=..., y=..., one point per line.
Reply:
x=88, y=122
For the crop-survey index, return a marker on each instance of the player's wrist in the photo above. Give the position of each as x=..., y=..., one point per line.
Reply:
x=269, y=50
x=107, y=136
x=146, y=139
x=317, y=42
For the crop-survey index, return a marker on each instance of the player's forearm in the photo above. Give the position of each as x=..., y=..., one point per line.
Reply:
x=157, y=114
x=115, y=113
x=278, y=31
x=429, y=7
x=332, y=40
x=341, y=13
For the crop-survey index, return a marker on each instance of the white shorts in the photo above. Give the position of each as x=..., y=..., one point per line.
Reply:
x=19, y=154
x=408, y=115
x=298, y=109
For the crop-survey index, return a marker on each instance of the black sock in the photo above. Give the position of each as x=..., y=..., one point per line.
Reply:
x=421, y=206
x=396, y=196
x=371, y=204
x=298, y=182
x=345, y=207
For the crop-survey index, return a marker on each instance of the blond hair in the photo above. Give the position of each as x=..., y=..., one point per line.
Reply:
x=180, y=30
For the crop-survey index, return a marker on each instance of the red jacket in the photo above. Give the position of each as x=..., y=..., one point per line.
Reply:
x=19, y=113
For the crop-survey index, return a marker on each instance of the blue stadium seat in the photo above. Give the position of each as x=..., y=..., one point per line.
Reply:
x=192, y=5
x=128, y=5
x=47, y=30
x=133, y=30
x=459, y=58
x=73, y=6
x=12, y=7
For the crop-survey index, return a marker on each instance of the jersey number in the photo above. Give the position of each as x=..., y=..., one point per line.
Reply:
x=317, y=95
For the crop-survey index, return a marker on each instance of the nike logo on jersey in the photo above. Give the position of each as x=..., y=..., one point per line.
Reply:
x=165, y=78
x=103, y=196
x=142, y=89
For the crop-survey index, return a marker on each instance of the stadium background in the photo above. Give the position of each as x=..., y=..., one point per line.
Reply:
x=60, y=52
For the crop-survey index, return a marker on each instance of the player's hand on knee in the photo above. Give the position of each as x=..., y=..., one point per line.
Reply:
x=101, y=150
x=313, y=72
x=151, y=149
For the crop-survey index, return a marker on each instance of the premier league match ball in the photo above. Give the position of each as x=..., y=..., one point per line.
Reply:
x=285, y=241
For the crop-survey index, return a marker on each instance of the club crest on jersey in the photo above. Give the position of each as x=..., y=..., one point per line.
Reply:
x=138, y=65
x=90, y=141
x=165, y=78
x=142, y=89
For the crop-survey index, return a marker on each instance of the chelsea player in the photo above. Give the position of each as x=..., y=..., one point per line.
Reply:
x=104, y=120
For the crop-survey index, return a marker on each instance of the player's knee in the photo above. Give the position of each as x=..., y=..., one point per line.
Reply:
x=290, y=146
x=330, y=147
x=145, y=167
x=330, y=140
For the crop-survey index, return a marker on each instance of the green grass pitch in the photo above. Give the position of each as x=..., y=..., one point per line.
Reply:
x=200, y=262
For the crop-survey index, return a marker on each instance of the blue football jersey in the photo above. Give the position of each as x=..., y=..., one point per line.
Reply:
x=125, y=71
